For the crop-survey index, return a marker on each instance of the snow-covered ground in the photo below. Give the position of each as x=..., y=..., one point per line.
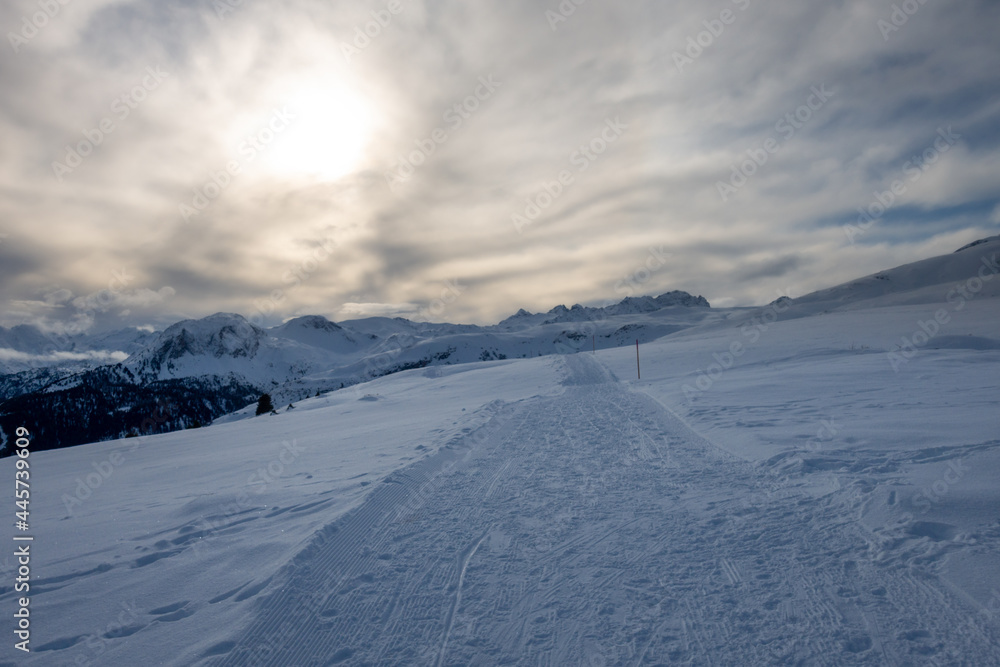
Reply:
x=137, y=541
x=813, y=482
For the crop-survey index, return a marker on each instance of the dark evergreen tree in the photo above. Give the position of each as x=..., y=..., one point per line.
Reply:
x=264, y=404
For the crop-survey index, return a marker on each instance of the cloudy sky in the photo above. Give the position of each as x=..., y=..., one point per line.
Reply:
x=162, y=160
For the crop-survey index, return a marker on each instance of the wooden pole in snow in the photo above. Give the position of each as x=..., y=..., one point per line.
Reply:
x=638, y=373
x=593, y=339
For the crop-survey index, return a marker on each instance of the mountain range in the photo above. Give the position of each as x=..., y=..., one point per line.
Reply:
x=132, y=382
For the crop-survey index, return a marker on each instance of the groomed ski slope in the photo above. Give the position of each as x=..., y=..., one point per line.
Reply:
x=595, y=528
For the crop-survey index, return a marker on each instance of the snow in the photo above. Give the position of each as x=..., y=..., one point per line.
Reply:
x=522, y=319
x=824, y=492
x=188, y=516
x=318, y=332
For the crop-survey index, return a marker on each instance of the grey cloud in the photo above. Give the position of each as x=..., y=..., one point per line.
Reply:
x=775, y=268
x=687, y=130
x=15, y=261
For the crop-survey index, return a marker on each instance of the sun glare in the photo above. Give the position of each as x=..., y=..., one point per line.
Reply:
x=326, y=137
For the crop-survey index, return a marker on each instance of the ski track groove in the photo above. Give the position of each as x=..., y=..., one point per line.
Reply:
x=595, y=528
x=449, y=624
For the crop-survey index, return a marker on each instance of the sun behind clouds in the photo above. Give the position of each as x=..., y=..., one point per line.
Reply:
x=330, y=128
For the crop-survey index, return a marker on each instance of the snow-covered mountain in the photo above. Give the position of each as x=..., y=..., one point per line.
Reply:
x=307, y=356
x=627, y=306
x=25, y=348
x=24, y=338
x=223, y=359
x=33, y=380
x=223, y=344
x=964, y=273
x=203, y=368
x=317, y=331
x=946, y=281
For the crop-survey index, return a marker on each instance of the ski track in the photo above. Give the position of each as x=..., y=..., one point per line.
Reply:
x=595, y=528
